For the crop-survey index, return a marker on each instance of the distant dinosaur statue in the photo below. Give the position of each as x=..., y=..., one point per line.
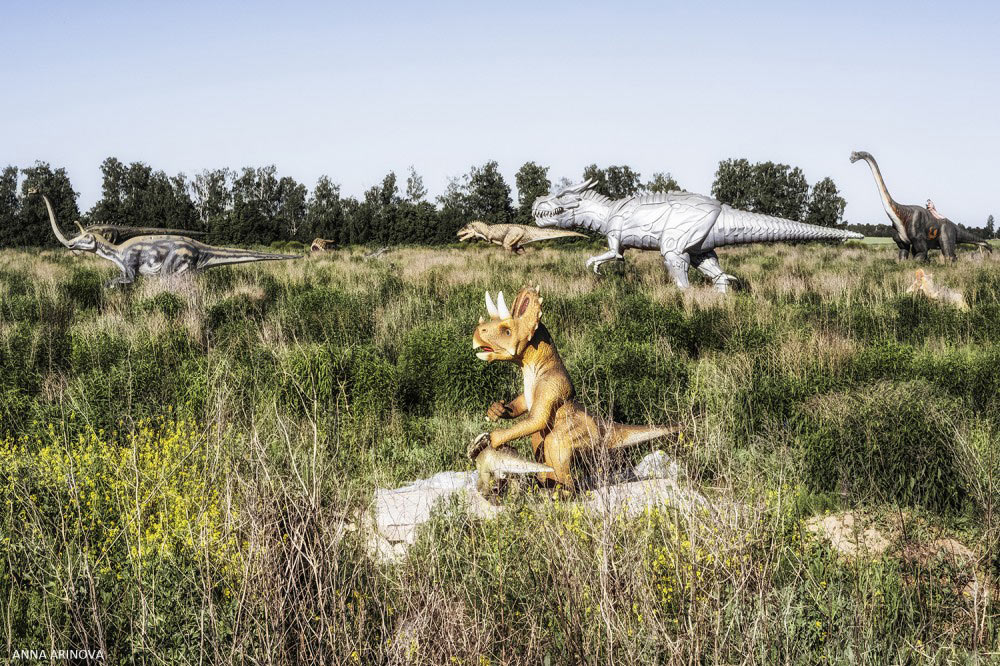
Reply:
x=916, y=229
x=321, y=245
x=511, y=236
x=924, y=283
x=163, y=255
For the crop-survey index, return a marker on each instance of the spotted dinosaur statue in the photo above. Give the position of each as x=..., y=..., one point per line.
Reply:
x=559, y=427
x=685, y=227
x=322, y=245
x=511, y=236
x=916, y=230
x=163, y=255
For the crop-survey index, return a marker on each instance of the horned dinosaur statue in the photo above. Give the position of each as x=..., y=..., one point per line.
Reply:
x=559, y=427
x=321, y=245
x=915, y=229
x=162, y=254
x=686, y=228
x=511, y=236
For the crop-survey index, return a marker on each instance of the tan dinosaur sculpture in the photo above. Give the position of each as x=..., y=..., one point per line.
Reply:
x=510, y=236
x=559, y=427
x=320, y=245
x=924, y=283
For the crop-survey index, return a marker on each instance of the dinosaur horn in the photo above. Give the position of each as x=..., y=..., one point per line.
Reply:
x=52, y=218
x=490, y=307
x=79, y=226
x=502, y=306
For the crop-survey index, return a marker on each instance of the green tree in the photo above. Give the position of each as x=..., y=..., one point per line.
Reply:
x=826, y=206
x=599, y=176
x=662, y=183
x=415, y=190
x=33, y=220
x=291, y=209
x=734, y=183
x=780, y=190
x=990, y=227
x=454, y=210
x=622, y=182
x=325, y=214
x=136, y=195
x=532, y=181
x=213, y=199
x=9, y=204
x=488, y=195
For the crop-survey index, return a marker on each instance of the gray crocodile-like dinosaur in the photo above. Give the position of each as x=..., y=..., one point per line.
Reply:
x=163, y=255
x=916, y=229
x=119, y=233
x=510, y=236
x=686, y=228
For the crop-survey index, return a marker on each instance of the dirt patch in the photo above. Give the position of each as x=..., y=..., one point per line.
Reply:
x=848, y=535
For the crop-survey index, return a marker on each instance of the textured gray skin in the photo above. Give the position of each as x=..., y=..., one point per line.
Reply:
x=494, y=464
x=115, y=233
x=161, y=255
x=686, y=228
x=915, y=230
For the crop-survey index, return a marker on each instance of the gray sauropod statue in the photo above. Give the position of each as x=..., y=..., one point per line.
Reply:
x=686, y=228
x=915, y=229
x=163, y=255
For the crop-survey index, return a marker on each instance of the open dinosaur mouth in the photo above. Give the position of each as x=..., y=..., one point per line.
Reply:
x=486, y=348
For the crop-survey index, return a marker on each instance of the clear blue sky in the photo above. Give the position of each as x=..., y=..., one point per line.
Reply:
x=354, y=91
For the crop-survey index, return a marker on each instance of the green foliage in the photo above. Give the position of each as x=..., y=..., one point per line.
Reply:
x=886, y=442
x=532, y=181
x=777, y=189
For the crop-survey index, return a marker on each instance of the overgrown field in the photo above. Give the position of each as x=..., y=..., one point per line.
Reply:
x=181, y=464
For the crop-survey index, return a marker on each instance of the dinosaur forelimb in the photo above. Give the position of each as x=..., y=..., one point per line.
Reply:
x=507, y=410
x=535, y=422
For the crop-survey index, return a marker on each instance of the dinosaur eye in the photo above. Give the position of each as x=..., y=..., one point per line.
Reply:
x=506, y=332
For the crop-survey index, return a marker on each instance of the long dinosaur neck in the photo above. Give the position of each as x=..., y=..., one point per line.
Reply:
x=890, y=205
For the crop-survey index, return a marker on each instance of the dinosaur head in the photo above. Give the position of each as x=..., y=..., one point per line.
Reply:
x=472, y=230
x=860, y=155
x=85, y=242
x=559, y=209
x=506, y=334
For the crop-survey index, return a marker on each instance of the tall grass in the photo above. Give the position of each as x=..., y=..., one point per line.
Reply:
x=183, y=464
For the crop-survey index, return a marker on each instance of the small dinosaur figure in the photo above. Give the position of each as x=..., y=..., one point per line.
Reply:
x=916, y=229
x=559, y=427
x=511, y=236
x=320, y=245
x=162, y=254
x=924, y=283
x=685, y=227
x=495, y=465
x=932, y=209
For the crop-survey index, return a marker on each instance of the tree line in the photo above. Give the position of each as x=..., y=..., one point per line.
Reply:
x=258, y=206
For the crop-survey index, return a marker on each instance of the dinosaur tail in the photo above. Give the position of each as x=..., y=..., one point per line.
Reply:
x=964, y=236
x=620, y=435
x=224, y=256
x=548, y=234
x=734, y=227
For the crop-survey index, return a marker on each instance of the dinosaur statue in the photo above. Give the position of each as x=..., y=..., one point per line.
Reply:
x=320, y=245
x=686, y=228
x=510, y=236
x=915, y=229
x=558, y=426
x=116, y=233
x=495, y=465
x=924, y=283
x=163, y=254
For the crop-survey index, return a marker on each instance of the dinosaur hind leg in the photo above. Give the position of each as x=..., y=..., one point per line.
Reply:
x=677, y=265
x=708, y=264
